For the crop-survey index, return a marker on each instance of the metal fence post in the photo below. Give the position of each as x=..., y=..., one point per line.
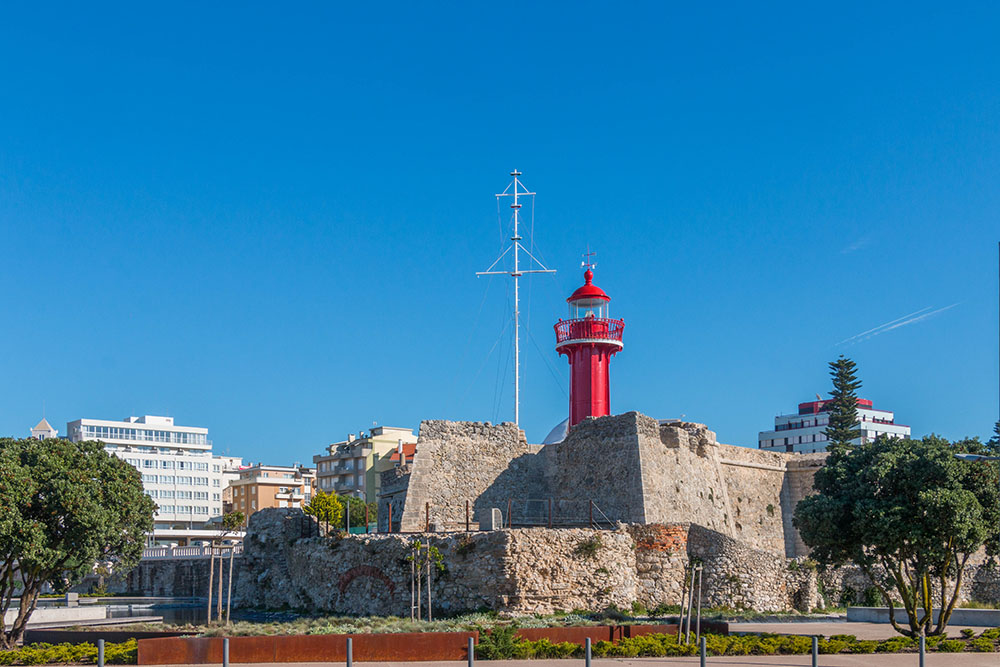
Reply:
x=466, y=516
x=702, y=652
x=815, y=651
x=587, y=651
x=225, y=652
x=923, y=649
x=100, y=653
x=350, y=652
x=472, y=652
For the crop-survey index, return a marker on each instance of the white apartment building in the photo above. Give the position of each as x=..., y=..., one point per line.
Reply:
x=803, y=431
x=178, y=471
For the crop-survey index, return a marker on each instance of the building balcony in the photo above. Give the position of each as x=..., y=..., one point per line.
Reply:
x=589, y=330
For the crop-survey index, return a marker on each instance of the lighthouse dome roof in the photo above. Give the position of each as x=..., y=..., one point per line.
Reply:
x=588, y=290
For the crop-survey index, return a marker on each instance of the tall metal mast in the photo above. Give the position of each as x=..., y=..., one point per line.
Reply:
x=516, y=189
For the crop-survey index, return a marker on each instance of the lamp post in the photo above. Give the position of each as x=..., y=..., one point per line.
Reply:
x=976, y=457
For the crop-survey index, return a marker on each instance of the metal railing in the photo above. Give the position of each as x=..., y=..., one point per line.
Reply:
x=160, y=553
x=590, y=328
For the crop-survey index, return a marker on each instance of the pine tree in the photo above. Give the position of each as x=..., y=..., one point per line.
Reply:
x=843, y=424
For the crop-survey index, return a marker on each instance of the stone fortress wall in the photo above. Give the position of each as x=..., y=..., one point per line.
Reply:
x=665, y=494
x=535, y=570
x=635, y=470
x=520, y=571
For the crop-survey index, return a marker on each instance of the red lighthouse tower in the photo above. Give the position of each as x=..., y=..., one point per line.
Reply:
x=589, y=339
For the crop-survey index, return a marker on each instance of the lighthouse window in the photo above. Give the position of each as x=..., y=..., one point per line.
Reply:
x=588, y=308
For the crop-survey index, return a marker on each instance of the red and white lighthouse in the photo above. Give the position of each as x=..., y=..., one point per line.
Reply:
x=589, y=339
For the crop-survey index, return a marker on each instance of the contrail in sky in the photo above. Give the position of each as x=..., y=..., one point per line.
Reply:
x=899, y=322
x=882, y=325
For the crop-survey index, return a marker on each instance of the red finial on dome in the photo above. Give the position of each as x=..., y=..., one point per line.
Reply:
x=588, y=290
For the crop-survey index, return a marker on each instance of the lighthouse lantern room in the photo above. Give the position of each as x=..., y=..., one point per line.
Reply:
x=589, y=339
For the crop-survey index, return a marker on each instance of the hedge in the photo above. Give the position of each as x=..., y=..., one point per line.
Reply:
x=125, y=653
x=503, y=644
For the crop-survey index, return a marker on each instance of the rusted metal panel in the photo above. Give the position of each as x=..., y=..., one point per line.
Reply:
x=180, y=650
x=400, y=647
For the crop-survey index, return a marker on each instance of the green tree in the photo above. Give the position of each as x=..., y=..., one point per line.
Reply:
x=843, y=424
x=910, y=515
x=356, y=509
x=327, y=509
x=64, y=506
x=233, y=522
x=993, y=444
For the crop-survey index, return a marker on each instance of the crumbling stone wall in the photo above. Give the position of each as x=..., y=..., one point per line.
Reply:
x=533, y=570
x=737, y=575
x=525, y=570
x=478, y=462
x=632, y=468
x=660, y=559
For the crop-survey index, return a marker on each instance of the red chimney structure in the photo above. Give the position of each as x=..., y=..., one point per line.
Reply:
x=589, y=339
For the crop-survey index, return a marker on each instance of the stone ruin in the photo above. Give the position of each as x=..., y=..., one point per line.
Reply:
x=662, y=494
x=634, y=470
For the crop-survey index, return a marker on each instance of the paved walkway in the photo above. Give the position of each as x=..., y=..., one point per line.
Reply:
x=860, y=630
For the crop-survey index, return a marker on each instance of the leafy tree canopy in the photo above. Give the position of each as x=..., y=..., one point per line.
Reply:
x=327, y=508
x=843, y=410
x=64, y=506
x=909, y=513
x=233, y=522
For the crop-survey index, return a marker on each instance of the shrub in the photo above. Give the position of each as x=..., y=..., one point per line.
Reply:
x=991, y=633
x=500, y=644
x=863, y=646
x=872, y=597
x=951, y=645
x=894, y=645
x=831, y=646
x=589, y=547
x=47, y=654
x=982, y=645
x=968, y=633
x=601, y=649
x=850, y=639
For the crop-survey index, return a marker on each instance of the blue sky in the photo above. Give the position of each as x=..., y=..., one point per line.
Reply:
x=266, y=220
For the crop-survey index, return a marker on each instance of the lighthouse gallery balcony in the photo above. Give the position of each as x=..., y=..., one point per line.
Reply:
x=590, y=330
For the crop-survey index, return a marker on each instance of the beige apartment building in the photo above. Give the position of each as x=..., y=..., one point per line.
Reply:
x=352, y=467
x=261, y=486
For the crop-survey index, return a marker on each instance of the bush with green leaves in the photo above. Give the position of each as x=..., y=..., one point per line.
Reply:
x=124, y=653
x=983, y=645
x=951, y=646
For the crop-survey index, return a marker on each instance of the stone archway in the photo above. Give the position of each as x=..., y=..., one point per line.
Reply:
x=367, y=590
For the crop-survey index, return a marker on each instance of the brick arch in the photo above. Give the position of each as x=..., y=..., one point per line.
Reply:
x=365, y=571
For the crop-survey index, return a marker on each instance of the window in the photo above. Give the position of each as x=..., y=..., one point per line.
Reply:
x=149, y=479
x=167, y=494
x=253, y=504
x=167, y=479
x=166, y=464
x=215, y=482
x=149, y=463
x=167, y=509
x=201, y=495
x=201, y=481
x=203, y=467
x=151, y=493
x=184, y=495
x=216, y=468
x=183, y=509
x=183, y=481
x=216, y=496
x=200, y=509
